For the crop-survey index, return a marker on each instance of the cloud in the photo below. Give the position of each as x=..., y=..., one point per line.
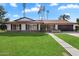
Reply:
x=33, y=9
x=69, y=6
x=67, y=13
x=15, y=15
x=13, y=4
x=53, y=4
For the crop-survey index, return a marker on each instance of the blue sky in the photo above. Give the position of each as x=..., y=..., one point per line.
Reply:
x=15, y=10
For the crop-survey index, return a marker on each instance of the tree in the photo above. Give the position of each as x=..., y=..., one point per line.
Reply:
x=64, y=17
x=2, y=18
x=24, y=6
x=77, y=21
x=7, y=19
x=41, y=11
x=2, y=14
x=3, y=27
x=47, y=12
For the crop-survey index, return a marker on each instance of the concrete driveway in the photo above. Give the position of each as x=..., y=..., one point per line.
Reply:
x=74, y=34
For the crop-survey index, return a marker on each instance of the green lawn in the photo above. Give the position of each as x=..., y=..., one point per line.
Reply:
x=74, y=41
x=30, y=44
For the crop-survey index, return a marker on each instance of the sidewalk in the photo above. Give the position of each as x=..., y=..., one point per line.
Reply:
x=73, y=51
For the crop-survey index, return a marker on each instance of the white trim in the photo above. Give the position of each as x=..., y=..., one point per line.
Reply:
x=56, y=26
x=8, y=27
x=17, y=27
x=74, y=26
x=39, y=27
x=23, y=27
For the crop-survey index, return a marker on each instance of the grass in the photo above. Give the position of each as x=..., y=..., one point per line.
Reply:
x=72, y=40
x=29, y=44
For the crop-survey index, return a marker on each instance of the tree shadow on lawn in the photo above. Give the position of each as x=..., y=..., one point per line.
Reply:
x=22, y=34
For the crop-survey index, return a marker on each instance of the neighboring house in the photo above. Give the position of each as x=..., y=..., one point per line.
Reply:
x=27, y=24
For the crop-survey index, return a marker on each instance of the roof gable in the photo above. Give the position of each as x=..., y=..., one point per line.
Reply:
x=24, y=19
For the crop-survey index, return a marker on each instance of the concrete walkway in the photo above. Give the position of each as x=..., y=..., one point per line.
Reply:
x=73, y=51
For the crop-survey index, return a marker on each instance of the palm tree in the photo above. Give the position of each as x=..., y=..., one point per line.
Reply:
x=24, y=6
x=64, y=17
x=41, y=11
x=47, y=12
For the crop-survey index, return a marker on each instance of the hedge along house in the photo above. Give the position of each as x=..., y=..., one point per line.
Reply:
x=30, y=25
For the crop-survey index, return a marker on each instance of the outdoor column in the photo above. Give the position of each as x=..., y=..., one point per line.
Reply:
x=17, y=27
x=74, y=27
x=46, y=27
x=39, y=27
x=8, y=27
x=56, y=26
x=23, y=27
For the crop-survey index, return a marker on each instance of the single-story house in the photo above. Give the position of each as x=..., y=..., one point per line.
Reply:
x=27, y=24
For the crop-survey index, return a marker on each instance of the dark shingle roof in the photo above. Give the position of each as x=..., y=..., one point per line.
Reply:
x=29, y=20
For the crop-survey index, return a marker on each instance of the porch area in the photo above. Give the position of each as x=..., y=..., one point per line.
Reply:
x=40, y=27
x=23, y=27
